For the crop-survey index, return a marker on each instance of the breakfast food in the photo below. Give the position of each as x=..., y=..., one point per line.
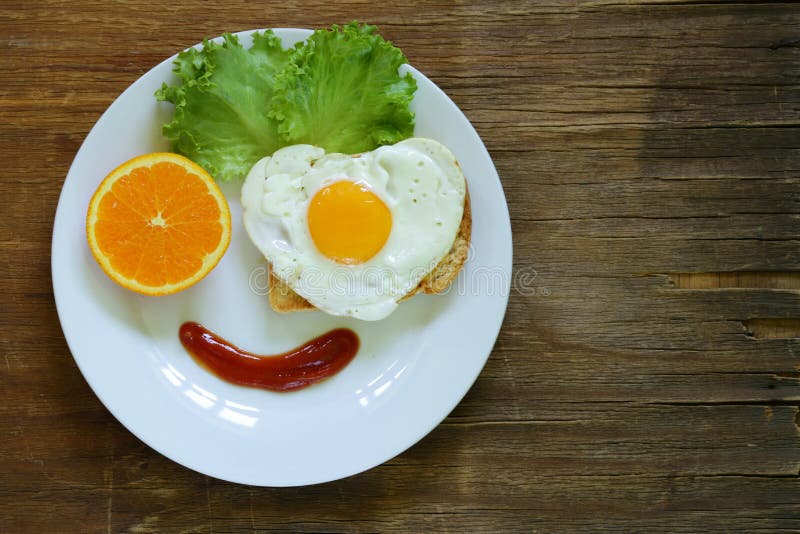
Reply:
x=158, y=224
x=351, y=235
x=354, y=235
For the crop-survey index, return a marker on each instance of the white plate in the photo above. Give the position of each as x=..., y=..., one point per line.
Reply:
x=411, y=371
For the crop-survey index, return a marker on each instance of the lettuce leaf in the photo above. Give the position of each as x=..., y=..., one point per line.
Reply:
x=342, y=91
x=339, y=89
x=222, y=105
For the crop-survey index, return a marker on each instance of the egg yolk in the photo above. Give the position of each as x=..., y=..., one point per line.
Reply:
x=348, y=223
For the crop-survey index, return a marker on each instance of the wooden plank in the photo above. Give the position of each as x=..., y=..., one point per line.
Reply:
x=674, y=459
x=768, y=280
x=769, y=328
x=571, y=437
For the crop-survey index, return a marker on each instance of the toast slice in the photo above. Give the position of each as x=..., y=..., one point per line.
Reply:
x=284, y=300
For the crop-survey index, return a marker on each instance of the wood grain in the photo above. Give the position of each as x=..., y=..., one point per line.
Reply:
x=650, y=156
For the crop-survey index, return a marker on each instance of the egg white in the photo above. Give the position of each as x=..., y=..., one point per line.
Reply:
x=418, y=179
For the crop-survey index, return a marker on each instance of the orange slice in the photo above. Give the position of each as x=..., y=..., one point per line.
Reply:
x=158, y=224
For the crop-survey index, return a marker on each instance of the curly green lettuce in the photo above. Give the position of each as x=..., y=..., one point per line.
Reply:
x=222, y=105
x=340, y=89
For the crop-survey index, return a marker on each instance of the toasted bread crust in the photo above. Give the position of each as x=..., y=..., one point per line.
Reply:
x=284, y=300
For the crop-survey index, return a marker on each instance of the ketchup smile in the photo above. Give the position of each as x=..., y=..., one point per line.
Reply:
x=312, y=362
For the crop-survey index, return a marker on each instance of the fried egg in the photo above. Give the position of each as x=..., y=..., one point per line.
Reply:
x=354, y=234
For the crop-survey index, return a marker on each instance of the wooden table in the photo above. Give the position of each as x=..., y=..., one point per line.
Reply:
x=638, y=144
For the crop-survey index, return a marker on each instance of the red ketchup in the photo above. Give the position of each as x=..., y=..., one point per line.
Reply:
x=301, y=367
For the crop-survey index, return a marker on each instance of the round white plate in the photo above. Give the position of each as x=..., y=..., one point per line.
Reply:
x=411, y=371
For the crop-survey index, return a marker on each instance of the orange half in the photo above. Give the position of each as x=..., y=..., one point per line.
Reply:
x=158, y=224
